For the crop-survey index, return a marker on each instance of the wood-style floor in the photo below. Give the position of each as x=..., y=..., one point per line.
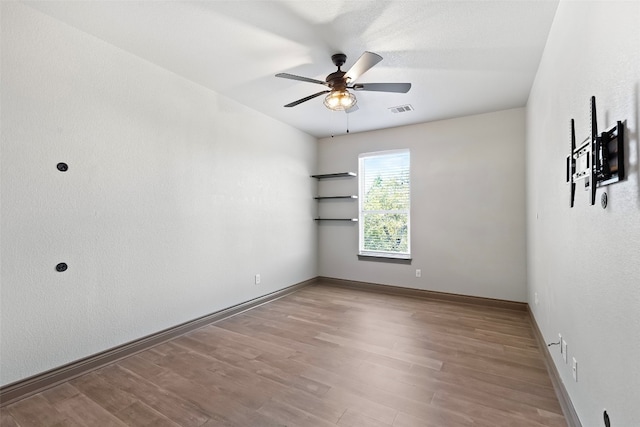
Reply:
x=323, y=356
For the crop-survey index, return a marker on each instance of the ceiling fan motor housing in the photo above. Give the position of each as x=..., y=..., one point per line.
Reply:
x=336, y=81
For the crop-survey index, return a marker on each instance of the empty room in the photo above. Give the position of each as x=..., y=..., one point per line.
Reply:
x=315, y=213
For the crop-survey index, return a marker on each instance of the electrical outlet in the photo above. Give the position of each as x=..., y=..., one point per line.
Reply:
x=257, y=279
x=418, y=273
x=535, y=297
x=574, y=369
x=560, y=342
x=563, y=344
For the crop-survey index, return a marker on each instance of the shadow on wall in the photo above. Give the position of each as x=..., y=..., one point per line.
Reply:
x=636, y=136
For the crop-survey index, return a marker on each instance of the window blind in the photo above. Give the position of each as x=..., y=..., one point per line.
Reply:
x=385, y=202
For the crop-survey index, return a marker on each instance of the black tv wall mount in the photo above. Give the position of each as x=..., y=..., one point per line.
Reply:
x=598, y=160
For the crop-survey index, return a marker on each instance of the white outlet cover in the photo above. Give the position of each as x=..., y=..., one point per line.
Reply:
x=563, y=344
x=560, y=341
x=574, y=368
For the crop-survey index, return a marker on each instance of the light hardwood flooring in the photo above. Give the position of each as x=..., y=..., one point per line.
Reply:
x=323, y=356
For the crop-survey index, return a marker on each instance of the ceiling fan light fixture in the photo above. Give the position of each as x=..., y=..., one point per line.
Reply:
x=340, y=100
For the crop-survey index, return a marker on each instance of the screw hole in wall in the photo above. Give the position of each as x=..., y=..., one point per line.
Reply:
x=61, y=267
x=62, y=167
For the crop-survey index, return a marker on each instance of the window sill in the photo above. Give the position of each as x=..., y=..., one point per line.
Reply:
x=391, y=258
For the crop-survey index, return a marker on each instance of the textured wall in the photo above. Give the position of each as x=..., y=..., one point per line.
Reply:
x=467, y=206
x=584, y=263
x=174, y=198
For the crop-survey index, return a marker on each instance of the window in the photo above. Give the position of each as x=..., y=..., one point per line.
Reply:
x=384, y=204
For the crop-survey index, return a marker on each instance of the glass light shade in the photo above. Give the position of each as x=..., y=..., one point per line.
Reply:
x=340, y=100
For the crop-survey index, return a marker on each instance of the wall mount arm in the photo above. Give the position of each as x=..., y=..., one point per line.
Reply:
x=598, y=160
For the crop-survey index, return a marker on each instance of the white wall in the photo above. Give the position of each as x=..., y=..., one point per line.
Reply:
x=175, y=197
x=584, y=263
x=467, y=212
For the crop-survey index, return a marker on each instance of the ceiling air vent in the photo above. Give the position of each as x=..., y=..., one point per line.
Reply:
x=401, y=109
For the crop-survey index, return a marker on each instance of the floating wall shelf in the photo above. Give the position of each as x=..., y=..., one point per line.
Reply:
x=334, y=175
x=347, y=197
x=353, y=196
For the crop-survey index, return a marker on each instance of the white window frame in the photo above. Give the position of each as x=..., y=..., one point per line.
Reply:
x=361, y=198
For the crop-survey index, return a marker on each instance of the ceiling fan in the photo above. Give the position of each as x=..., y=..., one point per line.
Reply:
x=339, y=98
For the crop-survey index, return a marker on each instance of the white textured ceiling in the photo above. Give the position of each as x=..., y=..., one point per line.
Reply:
x=462, y=57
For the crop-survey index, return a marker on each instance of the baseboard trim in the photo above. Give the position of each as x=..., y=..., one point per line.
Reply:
x=37, y=383
x=568, y=410
x=422, y=293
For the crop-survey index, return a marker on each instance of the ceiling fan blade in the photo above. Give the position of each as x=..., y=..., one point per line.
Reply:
x=352, y=109
x=383, y=87
x=302, y=79
x=305, y=99
x=364, y=63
